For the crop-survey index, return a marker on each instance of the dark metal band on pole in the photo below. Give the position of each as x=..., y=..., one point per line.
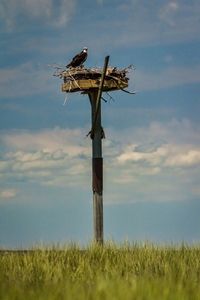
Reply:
x=97, y=178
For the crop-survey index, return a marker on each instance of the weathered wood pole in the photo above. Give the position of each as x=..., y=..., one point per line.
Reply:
x=97, y=171
x=96, y=135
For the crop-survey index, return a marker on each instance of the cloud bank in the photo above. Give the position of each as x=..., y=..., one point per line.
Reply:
x=48, y=157
x=163, y=22
x=144, y=22
x=150, y=163
x=48, y=12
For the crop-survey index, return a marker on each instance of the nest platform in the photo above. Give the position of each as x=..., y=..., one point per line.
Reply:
x=88, y=80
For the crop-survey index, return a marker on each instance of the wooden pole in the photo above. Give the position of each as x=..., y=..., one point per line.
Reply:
x=97, y=161
x=100, y=90
x=97, y=171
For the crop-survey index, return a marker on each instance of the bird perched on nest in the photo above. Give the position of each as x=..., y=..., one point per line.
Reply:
x=79, y=59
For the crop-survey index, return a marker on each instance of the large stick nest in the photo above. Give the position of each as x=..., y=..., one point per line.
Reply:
x=86, y=80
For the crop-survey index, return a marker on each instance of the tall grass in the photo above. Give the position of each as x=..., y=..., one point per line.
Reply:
x=109, y=272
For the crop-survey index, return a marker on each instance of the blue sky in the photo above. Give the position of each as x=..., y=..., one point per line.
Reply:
x=152, y=146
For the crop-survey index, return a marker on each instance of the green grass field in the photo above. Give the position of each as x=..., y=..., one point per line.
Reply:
x=109, y=272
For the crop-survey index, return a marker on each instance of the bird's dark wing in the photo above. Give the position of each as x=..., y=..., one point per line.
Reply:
x=78, y=59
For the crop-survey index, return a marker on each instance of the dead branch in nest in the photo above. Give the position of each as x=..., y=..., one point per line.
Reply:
x=92, y=73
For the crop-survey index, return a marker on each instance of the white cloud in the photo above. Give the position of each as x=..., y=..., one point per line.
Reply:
x=167, y=155
x=46, y=12
x=173, y=144
x=152, y=23
x=133, y=23
x=154, y=158
x=168, y=77
x=55, y=142
x=25, y=80
x=7, y=194
x=160, y=165
x=187, y=158
x=48, y=157
x=168, y=12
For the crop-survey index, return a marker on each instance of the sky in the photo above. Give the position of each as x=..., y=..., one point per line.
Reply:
x=152, y=146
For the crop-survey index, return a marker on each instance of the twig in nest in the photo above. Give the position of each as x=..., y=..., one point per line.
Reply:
x=104, y=99
x=110, y=97
x=117, y=82
x=65, y=100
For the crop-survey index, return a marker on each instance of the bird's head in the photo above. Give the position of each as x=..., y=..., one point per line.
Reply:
x=85, y=49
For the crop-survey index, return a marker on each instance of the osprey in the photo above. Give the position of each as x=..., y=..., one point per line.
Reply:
x=79, y=59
